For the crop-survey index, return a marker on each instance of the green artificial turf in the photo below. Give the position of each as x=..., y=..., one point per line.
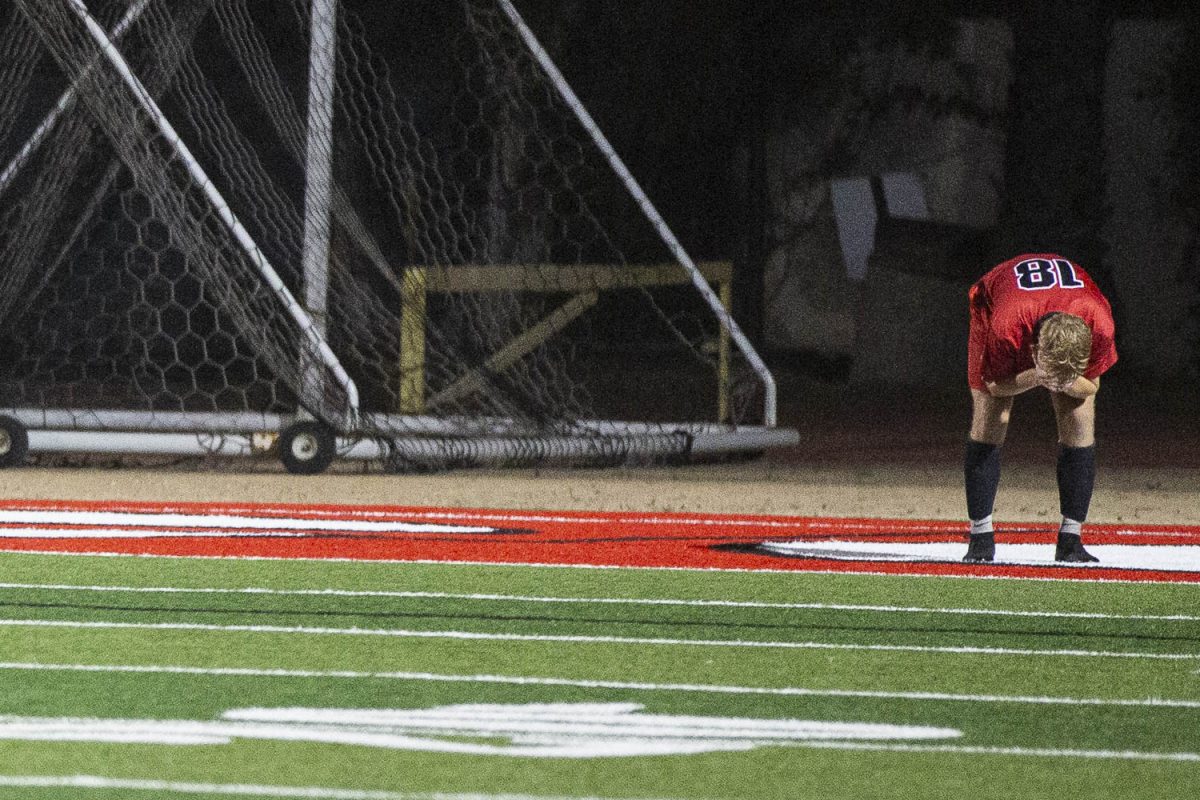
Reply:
x=1047, y=705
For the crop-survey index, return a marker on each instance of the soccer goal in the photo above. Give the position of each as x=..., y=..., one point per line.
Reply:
x=315, y=229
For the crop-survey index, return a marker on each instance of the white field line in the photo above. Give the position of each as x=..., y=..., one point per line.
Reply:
x=578, y=639
x=253, y=790
x=100, y=783
x=333, y=517
x=1030, y=752
x=118, y=523
x=521, y=680
x=808, y=526
x=340, y=519
x=697, y=603
x=508, y=517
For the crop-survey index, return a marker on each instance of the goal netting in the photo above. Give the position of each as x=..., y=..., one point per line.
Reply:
x=450, y=262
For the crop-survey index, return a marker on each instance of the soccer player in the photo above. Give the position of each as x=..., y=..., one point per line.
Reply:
x=1037, y=320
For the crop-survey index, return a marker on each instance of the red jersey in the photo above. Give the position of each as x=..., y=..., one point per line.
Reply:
x=1007, y=303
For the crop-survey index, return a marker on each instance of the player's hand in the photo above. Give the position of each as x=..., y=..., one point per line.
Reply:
x=1044, y=378
x=1081, y=388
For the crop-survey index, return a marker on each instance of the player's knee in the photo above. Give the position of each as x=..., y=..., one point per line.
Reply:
x=1076, y=425
x=1076, y=431
x=998, y=423
x=991, y=432
x=989, y=419
x=1076, y=438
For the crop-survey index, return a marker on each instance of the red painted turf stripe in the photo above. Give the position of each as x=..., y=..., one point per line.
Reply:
x=621, y=539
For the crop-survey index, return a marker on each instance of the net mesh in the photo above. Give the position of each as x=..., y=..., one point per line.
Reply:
x=486, y=268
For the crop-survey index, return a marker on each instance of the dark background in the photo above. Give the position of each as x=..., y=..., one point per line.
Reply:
x=696, y=93
x=1064, y=125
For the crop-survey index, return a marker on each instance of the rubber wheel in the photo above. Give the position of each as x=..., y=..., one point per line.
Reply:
x=14, y=442
x=307, y=448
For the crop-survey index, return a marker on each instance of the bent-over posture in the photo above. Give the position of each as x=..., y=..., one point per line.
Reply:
x=1037, y=320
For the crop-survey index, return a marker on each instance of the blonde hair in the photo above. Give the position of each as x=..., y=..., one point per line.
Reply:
x=1064, y=344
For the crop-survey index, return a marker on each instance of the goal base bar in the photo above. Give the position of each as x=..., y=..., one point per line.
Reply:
x=427, y=451
x=387, y=425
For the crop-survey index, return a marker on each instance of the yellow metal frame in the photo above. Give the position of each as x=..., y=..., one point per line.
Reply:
x=584, y=281
x=412, y=341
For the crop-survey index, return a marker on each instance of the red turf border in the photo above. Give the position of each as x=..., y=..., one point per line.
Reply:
x=585, y=538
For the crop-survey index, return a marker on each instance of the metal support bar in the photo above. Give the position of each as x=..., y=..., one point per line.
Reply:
x=118, y=422
x=283, y=116
x=412, y=342
x=545, y=277
x=418, y=449
x=65, y=101
x=517, y=347
x=241, y=235
x=318, y=179
x=724, y=379
x=660, y=225
x=578, y=278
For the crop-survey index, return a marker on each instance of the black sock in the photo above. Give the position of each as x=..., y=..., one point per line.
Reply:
x=981, y=470
x=1076, y=477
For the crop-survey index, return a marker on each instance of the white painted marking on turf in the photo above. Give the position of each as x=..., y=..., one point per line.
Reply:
x=531, y=730
x=578, y=639
x=633, y=601
x=101, y=783
x=385, y=521
x=1035, y=752
x=145, y=533
x=553, y=730
x=520, y=680
x=1165, y=558
x=675, y=519
x=515, y=565
x=120, y=524
x=708, y=520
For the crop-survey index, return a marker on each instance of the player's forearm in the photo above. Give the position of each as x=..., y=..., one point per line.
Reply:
x=1007, y=387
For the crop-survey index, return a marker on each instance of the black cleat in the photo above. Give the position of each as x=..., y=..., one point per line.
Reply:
x=1070, y=549
x=981, y=547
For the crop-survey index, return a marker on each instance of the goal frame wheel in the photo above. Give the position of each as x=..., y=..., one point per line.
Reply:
x=14, y=442
x=307, y=447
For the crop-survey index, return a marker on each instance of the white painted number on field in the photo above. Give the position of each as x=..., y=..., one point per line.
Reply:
x=549, y=730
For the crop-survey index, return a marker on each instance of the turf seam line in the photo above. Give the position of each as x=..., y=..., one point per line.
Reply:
x=521, y=680
x=580, y=639
x=1138, y=581
x=699, y=603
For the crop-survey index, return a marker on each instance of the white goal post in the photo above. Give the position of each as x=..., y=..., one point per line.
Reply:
x=314, y=229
